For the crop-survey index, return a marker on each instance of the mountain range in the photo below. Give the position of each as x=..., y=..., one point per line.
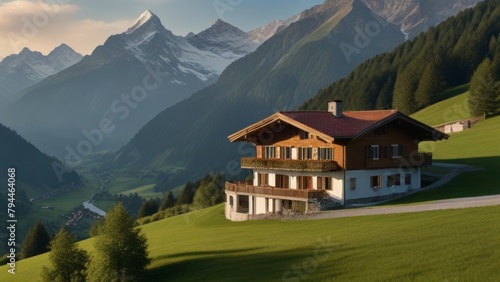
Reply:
x=22, y=70
x=124, y=83
x=323, y=45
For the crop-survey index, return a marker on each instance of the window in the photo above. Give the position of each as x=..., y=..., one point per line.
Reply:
x=263, y=179
x=396, y=151
x=408, y=179
x=304, y=182
x=374, y=152
x=328, y=183
x=231, y=200
x=282, y=181
x=305, y=153
x=353, y=183
x=376, y=181
x=285, y=153
x=324, y=183
x=325, y=153
x=269, y=152
x=393, y=180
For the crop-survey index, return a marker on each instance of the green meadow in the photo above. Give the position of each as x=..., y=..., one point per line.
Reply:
x=451, y=245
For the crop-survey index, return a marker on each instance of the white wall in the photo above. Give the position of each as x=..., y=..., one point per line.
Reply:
x=260, y=203
x=363, y=182
x=338, y=185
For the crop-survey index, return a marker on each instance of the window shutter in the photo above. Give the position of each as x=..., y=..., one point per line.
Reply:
x=368, y=152
x=385, y=149
x=401, y=150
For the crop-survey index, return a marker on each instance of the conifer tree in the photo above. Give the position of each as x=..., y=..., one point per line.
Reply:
x=68, y=261
x=187, y=194
x=484, y=91
x=404, y=91
x=169, y=201
x=430, y=85
x=148, y=208
x=36, y=241
x=120, y=250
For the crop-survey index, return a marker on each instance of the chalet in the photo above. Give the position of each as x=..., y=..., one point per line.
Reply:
x=304, y=158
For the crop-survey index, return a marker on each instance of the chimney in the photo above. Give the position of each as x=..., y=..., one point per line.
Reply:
x=335, y=108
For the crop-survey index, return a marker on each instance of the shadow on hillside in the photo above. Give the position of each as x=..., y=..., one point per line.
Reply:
x=467, y=184
x=206, y=253
x=293, y=265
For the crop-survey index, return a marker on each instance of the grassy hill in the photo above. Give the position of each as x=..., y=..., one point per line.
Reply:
x=476, y=147
x=429, y=246
x=451, y=109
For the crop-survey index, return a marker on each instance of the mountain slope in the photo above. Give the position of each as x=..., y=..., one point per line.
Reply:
x=455, y=48
x=284, y=71
x=416, y=16
x=122, y=85
x=33, y=167
x=20, y=71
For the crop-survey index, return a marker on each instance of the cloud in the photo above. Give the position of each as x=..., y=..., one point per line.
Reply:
x=42, y=26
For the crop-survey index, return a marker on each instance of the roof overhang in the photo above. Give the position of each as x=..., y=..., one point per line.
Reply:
x=428, y=133
x=254, y=129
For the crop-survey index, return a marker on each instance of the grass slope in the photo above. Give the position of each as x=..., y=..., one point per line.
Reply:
x=477, y=147
x=451, y=109
x=453, y=245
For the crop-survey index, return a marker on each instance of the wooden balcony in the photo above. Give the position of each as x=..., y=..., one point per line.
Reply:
x=276, y=192
x=288, y=164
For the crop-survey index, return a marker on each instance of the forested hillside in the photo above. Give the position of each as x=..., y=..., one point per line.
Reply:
x=33, y=168
x=410, y=77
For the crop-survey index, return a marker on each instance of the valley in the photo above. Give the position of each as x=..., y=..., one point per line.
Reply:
x=144, y=120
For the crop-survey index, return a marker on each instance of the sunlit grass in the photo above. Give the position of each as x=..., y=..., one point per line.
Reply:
x=448, y=245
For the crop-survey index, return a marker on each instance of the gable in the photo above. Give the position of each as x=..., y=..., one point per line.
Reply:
x=330, y=128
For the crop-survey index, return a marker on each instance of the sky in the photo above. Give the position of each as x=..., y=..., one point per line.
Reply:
x=42, y=25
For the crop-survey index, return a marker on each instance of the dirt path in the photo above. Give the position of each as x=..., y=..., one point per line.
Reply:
x=457, y=203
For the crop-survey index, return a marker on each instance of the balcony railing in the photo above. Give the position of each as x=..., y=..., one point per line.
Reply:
x=271, y=191
x=288, y=164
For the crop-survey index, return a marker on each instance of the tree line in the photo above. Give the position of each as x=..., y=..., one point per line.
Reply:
x=205, y=192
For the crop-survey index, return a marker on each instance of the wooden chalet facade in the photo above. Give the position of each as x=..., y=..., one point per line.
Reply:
x=304, y=157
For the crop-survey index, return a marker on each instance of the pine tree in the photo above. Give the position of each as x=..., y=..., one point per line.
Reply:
x=169, y=201
x=484, y=91
x=404, y=91
x=36, y=241
x=68, y=261
x=148, y=208
x=385, y=95
x=120, y=250
x=431, y=85
x=187, y=194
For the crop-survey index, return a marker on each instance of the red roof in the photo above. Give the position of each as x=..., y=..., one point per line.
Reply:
x=349, y=125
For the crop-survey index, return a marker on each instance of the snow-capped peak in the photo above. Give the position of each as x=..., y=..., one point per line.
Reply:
x=143, y=18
